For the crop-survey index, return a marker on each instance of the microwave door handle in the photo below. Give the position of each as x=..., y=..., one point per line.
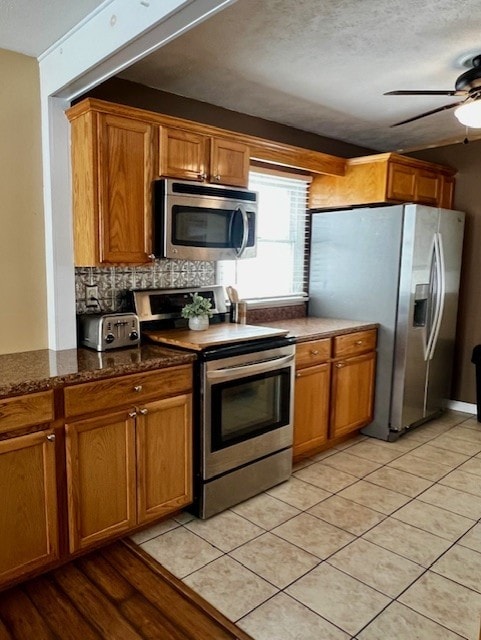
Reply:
x=245, y=230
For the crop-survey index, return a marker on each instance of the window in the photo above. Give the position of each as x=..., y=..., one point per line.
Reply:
x=280, y=265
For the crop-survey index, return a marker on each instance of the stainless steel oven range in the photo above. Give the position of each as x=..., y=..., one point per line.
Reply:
x=243, y=390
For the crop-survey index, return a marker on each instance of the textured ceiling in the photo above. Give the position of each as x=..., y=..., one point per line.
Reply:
x=32, y=26
x=317, y=65
x=323, y=65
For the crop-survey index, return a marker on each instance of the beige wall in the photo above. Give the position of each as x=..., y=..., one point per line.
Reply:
x=23, y=309
x=467, y=159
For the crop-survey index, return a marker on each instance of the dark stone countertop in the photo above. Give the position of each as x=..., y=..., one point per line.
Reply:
x=33, y=371
x=309, y=328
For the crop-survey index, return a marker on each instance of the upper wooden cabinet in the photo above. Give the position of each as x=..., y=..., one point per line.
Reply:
x=113, y=169
x=193, y=156
x=386, y=177
x=117, y=152
x=183, y=154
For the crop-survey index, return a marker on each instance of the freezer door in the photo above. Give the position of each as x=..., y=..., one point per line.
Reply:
x=416, y=310
x=450, y=235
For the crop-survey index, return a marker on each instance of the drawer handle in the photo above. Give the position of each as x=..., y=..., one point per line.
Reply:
x=138, y=388
x=340, y=364
x=359, y=341
x=51, y=437
x=143, y=411
x=132, y=414
x=314, y=352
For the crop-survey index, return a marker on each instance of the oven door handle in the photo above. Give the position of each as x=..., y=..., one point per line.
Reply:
x=240, y=371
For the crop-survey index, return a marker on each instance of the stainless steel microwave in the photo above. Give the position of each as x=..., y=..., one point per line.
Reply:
x=203, y=222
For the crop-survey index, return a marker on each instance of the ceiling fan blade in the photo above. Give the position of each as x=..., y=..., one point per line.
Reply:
x=426, y=93
x=428, y=113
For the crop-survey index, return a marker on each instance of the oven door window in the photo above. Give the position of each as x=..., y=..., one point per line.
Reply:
x=209, y=227
x=247, y=407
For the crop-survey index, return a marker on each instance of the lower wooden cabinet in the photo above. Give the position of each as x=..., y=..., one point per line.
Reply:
x=126, y=461
x=352, y=394
x=164, y=457
x=28, y=513
x=334, y=392
x=311, y=409
x=100, y=478
x=127, y=467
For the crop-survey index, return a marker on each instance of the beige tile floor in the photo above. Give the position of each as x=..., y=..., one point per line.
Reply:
x=369, y=541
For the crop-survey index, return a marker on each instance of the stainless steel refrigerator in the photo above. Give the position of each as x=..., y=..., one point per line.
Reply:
x=398, y=266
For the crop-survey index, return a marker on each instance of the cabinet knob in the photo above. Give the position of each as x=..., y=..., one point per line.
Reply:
x=217, y=178
x=359, y=341
x=314, y=352
x=151, y=256
x=138, y=388
x=340, y=364
x=202, y=176
x=298, y=375
x=132, y=414
x=143, y=411
x=51, y=437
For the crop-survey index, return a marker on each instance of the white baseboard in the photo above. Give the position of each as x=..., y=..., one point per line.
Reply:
x=465, y=407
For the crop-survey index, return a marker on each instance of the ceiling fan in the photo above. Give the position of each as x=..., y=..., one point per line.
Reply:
x=468, y=84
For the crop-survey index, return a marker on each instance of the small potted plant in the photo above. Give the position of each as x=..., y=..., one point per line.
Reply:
x=198, y=312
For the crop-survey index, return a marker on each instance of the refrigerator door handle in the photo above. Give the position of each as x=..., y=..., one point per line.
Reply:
x=438, y=294
x=441, y=275
x=431, y=302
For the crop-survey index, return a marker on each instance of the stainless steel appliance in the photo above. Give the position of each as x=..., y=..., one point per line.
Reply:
x=399, y=266
x=203, y=222
x=243, y=392
x=108, y=330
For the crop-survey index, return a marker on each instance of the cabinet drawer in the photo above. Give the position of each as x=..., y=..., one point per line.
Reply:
x=25, y=411
x=351, y=344
x=313, y=352
x=127, y=390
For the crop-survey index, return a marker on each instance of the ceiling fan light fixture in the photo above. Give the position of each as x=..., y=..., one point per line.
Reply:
x=469, y=114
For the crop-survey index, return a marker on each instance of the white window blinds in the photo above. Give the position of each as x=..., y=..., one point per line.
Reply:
x=280, y=265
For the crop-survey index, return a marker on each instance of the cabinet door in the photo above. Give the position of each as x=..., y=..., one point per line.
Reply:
x=183, y=154
x=428, y=187
x=164, y=456
x=101, y=478
x=352, y=398
x=401, y=182
x=311, y=408
x=229, y=163
x=28, y=515
x=125, y=169
x=447, y=193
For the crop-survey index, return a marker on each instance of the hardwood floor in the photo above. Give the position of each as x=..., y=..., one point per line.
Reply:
x=116, y=593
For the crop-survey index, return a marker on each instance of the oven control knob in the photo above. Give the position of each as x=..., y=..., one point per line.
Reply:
x=109, y=338
x=133, y=335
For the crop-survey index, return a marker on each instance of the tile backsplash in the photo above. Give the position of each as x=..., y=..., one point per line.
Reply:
x=114, y=282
